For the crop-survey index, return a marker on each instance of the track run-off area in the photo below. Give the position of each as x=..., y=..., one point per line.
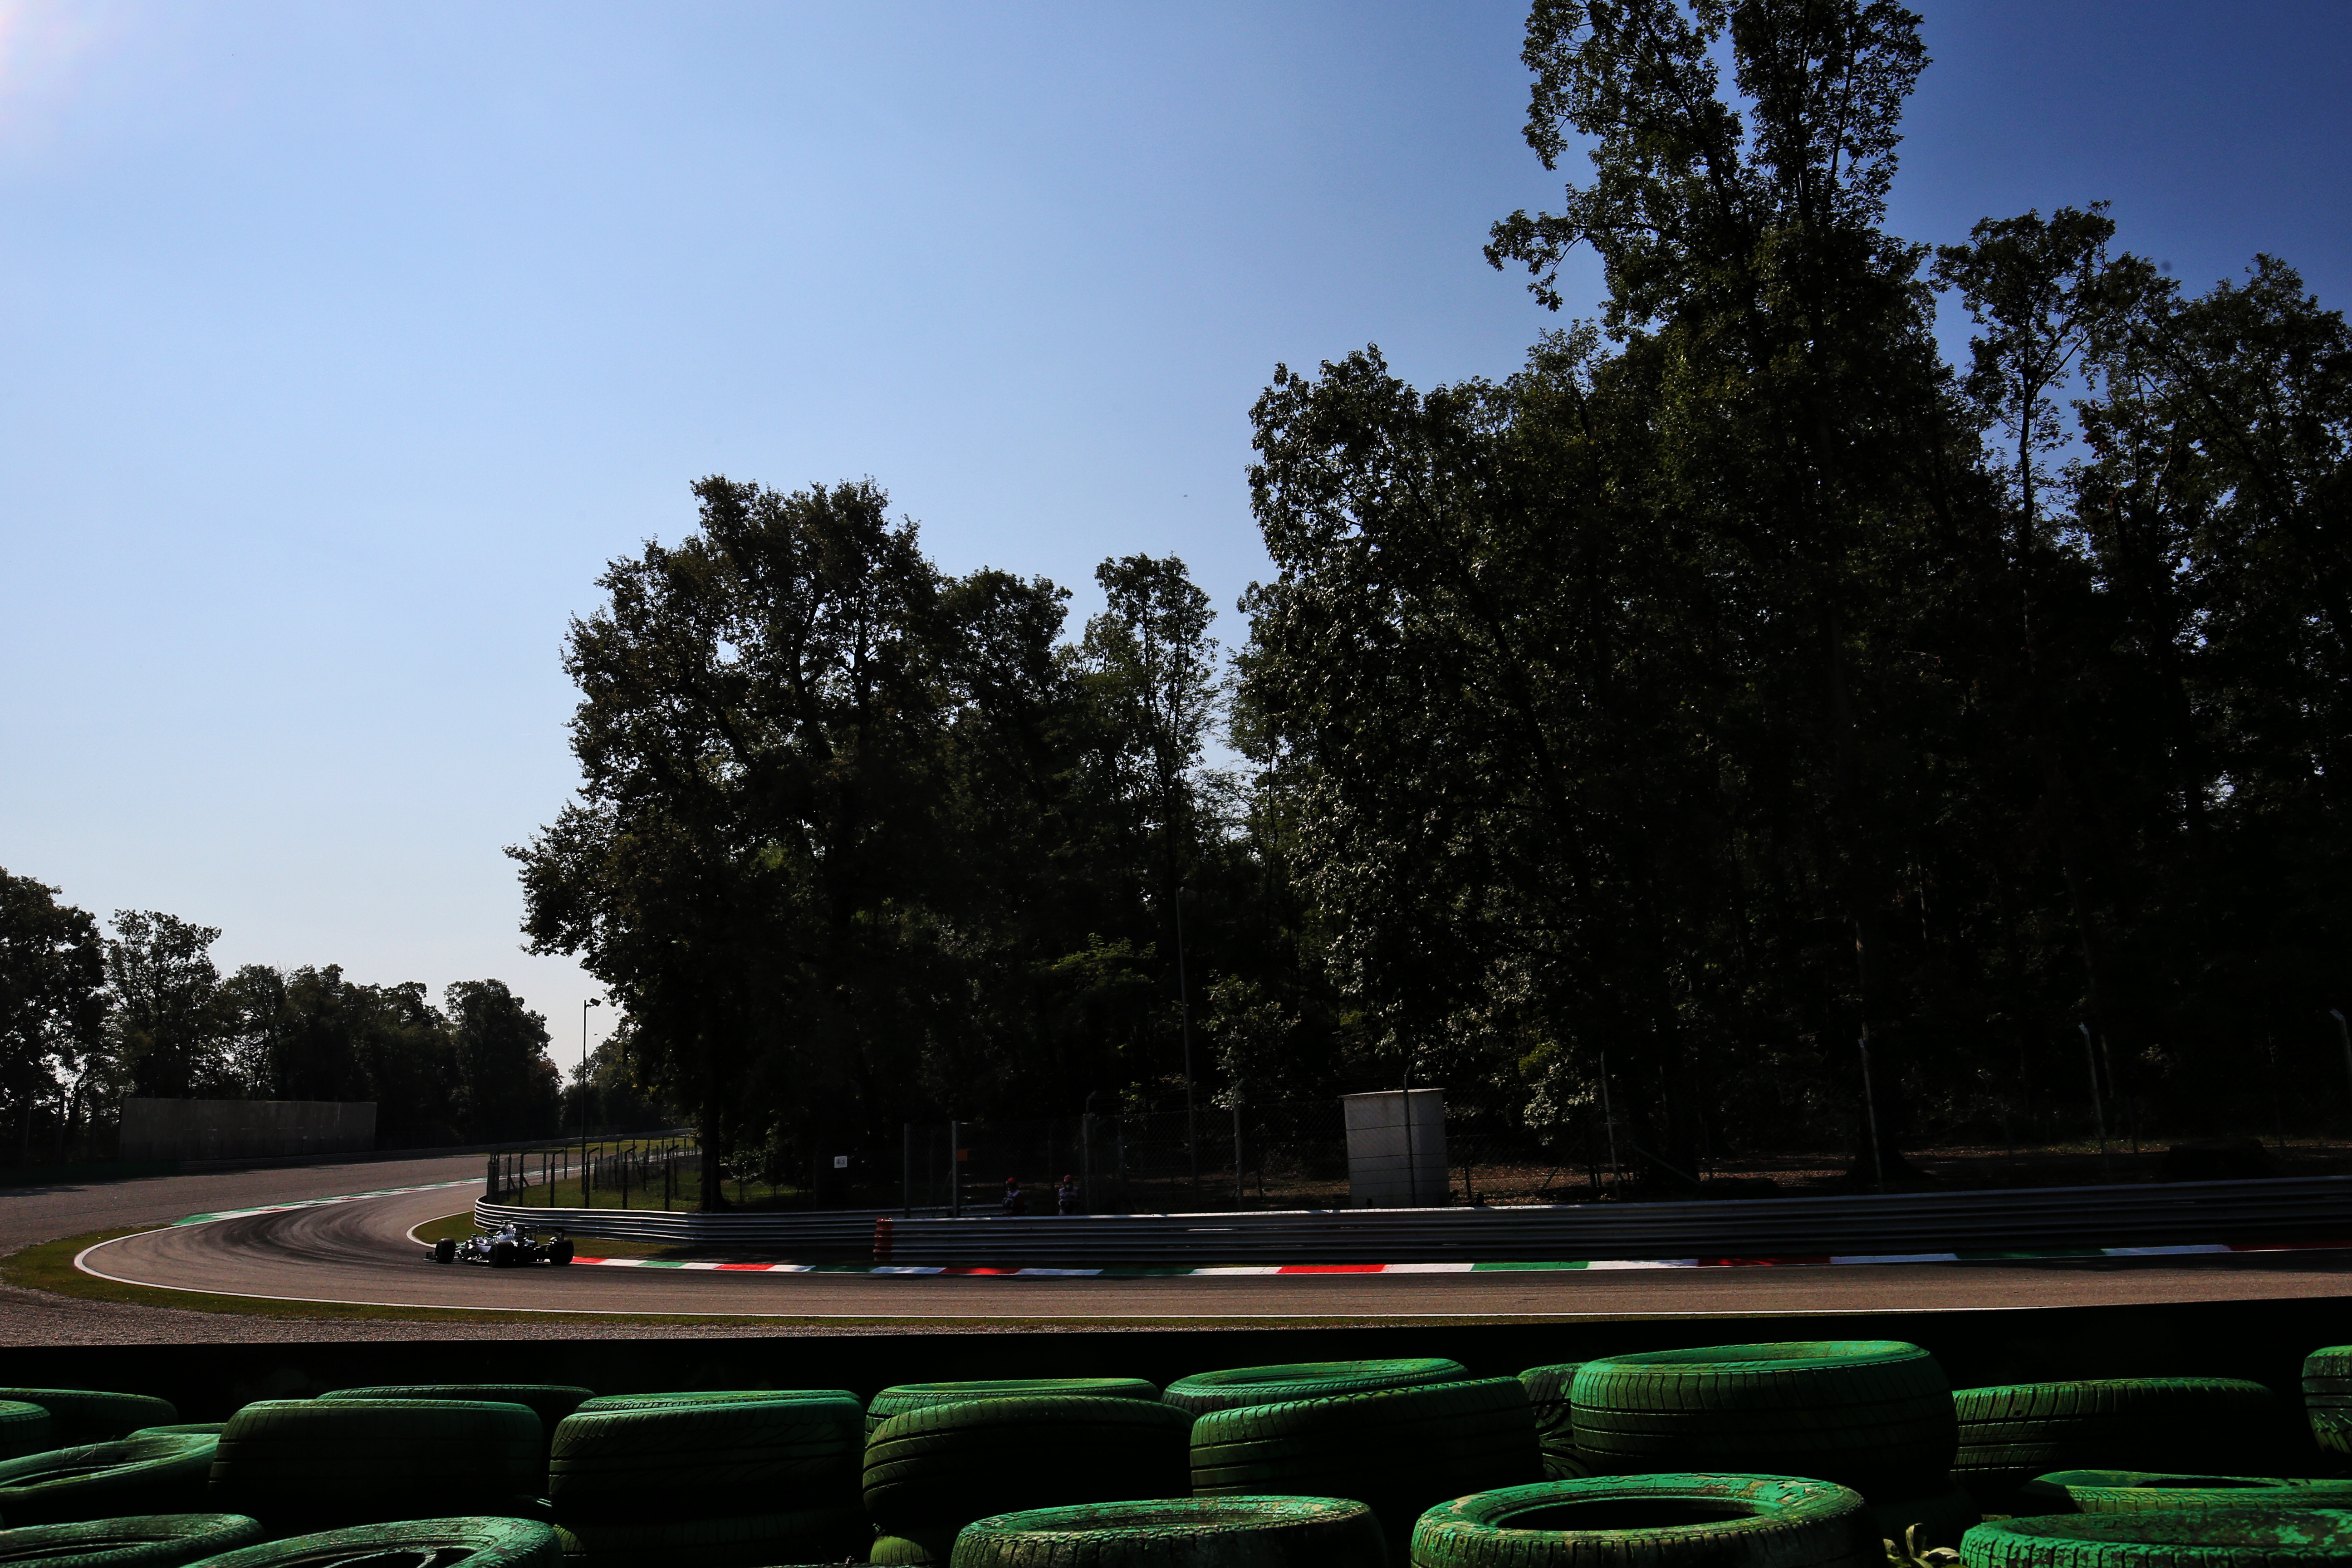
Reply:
x=359, y=1252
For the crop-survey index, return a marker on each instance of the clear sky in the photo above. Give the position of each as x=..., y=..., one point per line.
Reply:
x=340, y=344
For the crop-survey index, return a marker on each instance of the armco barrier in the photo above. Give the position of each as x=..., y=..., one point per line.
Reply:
x=2317, y=1208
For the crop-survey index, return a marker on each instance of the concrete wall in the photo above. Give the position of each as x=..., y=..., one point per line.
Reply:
x=245, y=1128
x=1395, y=1162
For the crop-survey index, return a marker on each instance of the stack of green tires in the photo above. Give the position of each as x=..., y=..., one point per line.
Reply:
x=1872, y=1414
x=153, y=1541
x=709, y=1396
x=2252, y=1538
x=905, y=1397
x=1397, y=1451
x=488, y=1542
x=300, y=1466
x=1652, y=1521
x=79, y=1416
x=2180, y=1426
x=550, y=1402
x=935, y=1469
x=2328, y=1400
x=2145, y=1491
x=1188, y=1532
x=1206, y=1391
x=1548, y=1388
x=25, y=1428
x=731, y=1483
x=145, y=1473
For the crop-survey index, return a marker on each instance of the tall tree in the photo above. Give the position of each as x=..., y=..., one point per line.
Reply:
x=52, y=996
x=166, y=1002
x=507, y=1083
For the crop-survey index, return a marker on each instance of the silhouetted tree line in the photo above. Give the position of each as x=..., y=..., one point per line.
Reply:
x=87, y=1019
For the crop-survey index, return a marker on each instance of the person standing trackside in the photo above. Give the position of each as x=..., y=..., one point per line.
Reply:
x=1065, y=1196
x=1015, y=1200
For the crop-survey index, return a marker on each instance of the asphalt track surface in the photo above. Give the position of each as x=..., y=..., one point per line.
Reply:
x=360, y=1252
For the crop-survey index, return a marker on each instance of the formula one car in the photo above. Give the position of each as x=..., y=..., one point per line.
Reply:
x=505, y=1248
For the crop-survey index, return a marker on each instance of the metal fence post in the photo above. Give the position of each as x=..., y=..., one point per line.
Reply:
x=955, y=1173
x=1239, y=1194
x=1870, y=1109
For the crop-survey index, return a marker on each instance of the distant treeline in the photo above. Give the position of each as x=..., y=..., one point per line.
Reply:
x=87, y=1017
x=1738, y=681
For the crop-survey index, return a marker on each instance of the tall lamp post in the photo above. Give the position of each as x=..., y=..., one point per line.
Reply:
x=592, y=1001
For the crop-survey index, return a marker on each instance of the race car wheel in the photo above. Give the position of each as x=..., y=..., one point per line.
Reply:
x=444, y=1251
x=560, y=1253
x=502, y=1255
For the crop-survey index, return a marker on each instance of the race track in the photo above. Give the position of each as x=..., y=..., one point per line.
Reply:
x=360, y=1252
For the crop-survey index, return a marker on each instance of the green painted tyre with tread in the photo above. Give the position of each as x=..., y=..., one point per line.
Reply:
x=149, y=1541
x=485, y=1542
x=2147, y=1491
x=184, y=1429
x=663, y=1461
x=745, y=1540
x=302, y=1465
x=141, y=1474
x=914, y=1548
x=1548, y=1389
x=2251, y=1539
x=1197, y=1532
x=1652, y=1521
x=25, y=1428
x=907, y=1396
x=82, y=1416
x=708, y=1397
x=2327, y=1397
x=939, y=1468
x=2013, y=1432
x=1283, y=1384
x=1397, y=1451
x=1872, y=1415
x=550, y=1402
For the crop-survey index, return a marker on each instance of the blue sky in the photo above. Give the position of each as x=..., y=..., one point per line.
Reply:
x=341, y=344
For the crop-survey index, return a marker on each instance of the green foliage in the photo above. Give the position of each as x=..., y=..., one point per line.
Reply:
x=52, y=995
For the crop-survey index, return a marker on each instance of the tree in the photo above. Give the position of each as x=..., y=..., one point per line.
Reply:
x=507, y=1083
x=166, y=1002
x=52, y=996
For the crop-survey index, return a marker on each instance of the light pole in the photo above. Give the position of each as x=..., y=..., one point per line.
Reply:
x=592, y=1001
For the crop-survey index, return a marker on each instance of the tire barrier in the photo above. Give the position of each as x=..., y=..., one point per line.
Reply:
x=2327, y=1397
x=906, y=1396
x=1652, y=1521
x=145, y=1473
x=1548, y=1389
x=79, y=1416
x=2316, y=1208
x=2247, y=1538
x=25, y=1428
x=716, y=1396
x=411, y=1543
x=766, y=1458
x=302, y=1465
x=729, y=1541
x=550, y=1402
x=153, y=1541
x=2141, y=1491
x=2011, y=1434
x=1206, y=1391
x=1872, y=1415
x=1397, y=1451
x=1196, y=1533
x=933, y=1470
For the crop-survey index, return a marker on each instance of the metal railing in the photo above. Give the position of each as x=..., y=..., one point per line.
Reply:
x=2186, y=1213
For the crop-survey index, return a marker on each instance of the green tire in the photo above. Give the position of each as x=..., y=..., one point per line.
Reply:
x=2145, y=1491
x=25, y=1428
x=1206, y=1391
x=909, y=1396
x=916, y=1548
x=484, y=1542
x=1548, y=1389
x=2327, y=1397
x=150, y=1541
x=1941, y=1518
x=2252, y=1538
x=301, y=1466
x=1652, y=1521
x=782, y=1456
x=1398, y=1451
x=550, y=1402
x=87, y=1416
x=735, y=1540
x=184, y=1429
x=2011, y=1433
x=141, y=1474
x=1196, y=1533
x=1872, y=1415
x=716, y=1396
x=939, y=1467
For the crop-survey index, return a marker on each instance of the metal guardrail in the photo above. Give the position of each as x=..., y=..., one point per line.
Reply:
x=2311, y=1208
